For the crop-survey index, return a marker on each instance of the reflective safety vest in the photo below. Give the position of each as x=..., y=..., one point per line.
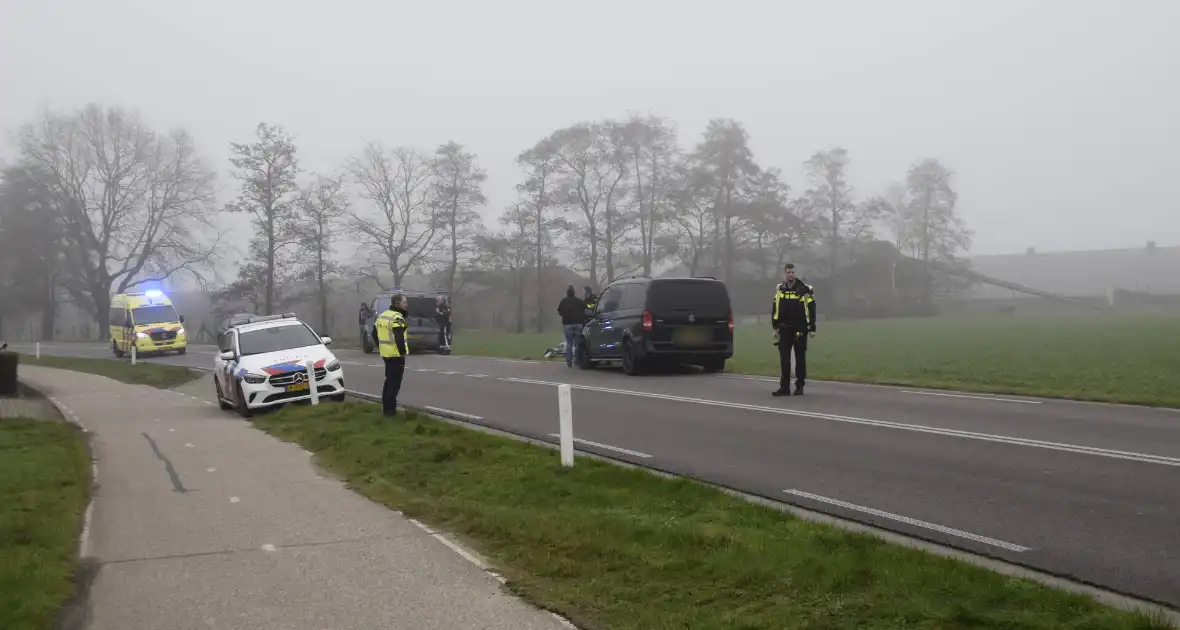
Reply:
x=794, y=307
x=386, y=323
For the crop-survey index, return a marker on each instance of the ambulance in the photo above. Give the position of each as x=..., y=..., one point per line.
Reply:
x=147, y=320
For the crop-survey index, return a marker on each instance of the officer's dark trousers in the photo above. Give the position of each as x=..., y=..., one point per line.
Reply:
x=395, y=368
x=792, y=340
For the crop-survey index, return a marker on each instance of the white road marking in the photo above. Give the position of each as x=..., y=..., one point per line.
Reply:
x=440, y=410
x=210, y=470
x=235, y=500
x=172, y=430
x=478, y=375
x=269, y=547
x=910, y=521
x=425, y=370
x=1145, y=458
x=606, y=446
x=188, y=445
x=449, y=373
x=1011, y=400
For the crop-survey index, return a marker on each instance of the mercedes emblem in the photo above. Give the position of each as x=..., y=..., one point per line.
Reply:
x=692, y=318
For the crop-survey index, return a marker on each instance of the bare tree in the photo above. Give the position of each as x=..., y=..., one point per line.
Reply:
x=30, y=247
x=511, y=251
x=322, y=208
x=649, y=144
x=401, y=227
x=692, y=216
x=458, y=190
x=727, y=167
x=935, y=228
x=267, y=169
x=540, y=164
x=831, y=196
x=134, y=206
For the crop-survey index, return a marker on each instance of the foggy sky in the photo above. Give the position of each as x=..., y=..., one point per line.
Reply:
x=1059, y=118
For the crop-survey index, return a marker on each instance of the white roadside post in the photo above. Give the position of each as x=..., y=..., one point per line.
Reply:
x=315, y=392
x=38, y=349
x=565, y=408
x=133, y=351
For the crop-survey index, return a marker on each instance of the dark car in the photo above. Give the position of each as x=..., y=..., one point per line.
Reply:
x=647, y=322
x=421, y=326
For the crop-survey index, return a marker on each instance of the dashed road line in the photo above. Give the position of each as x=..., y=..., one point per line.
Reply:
x=235, y=500
x=973, y=397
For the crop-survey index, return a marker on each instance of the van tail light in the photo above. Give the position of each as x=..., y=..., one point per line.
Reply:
x=646, y=321
x=731, y=321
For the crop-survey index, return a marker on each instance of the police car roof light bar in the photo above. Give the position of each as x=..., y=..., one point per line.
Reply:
x=254, y=319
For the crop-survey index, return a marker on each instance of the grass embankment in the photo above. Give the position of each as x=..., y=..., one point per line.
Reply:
x=142, y=373
x=44, y=486
x=1128, y=359
x=624, y=549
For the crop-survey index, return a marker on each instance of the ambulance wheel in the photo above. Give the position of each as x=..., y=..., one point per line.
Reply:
x=115, y=348
x=182, y=351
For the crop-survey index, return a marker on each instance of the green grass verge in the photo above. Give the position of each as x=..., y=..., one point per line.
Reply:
x=624, y=549
x=44, y=486
x=1126, y=359
x=142, y=373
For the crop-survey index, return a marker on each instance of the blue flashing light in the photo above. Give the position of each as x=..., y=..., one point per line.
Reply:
x=154, y=293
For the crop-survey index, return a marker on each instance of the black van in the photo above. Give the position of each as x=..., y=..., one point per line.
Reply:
x=644, y=322
x=421, y=326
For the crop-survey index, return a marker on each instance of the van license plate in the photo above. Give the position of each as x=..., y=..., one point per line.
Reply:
x=692, y=336
x=297, y=387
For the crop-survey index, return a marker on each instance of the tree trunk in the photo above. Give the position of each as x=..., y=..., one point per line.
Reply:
x=323, y=294
x=270, y=263
x=540, y=277
x=454, y=246
x=520, y=300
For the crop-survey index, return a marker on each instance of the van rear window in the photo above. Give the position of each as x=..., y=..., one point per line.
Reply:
x=702, y=297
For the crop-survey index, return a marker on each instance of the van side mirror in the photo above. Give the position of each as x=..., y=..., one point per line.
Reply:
x=227, y=355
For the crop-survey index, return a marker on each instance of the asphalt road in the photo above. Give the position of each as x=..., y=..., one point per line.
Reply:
x=1087, y=491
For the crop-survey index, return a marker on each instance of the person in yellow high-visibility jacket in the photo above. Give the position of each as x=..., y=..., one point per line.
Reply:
x=389, y=335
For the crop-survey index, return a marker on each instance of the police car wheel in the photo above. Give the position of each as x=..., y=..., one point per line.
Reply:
x=220, y=396
x=243, y=408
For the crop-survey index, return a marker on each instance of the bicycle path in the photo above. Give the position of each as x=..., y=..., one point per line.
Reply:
x=201, y=521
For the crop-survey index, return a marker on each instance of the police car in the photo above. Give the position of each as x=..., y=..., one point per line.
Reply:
x=263, y=362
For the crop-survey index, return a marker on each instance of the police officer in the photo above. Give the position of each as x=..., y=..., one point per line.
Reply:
x=590, y=299
x=793, y=319
x=389, y=334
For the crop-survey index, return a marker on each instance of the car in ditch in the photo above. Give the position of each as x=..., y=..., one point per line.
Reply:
x=263, y=362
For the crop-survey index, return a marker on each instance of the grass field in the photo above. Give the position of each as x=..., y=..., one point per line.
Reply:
x=153, y=374
x=1100, y=358
x=623, y=549
x=44, y=485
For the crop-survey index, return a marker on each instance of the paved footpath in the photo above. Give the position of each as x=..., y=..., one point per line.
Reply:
x=201, y=521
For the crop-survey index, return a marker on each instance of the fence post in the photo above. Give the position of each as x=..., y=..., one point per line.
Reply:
x=315, y=392
x=566, y=422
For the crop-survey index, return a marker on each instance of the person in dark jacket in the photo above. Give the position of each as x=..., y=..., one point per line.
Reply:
x=793, y=318
x=442, y=315
x=573, y=315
